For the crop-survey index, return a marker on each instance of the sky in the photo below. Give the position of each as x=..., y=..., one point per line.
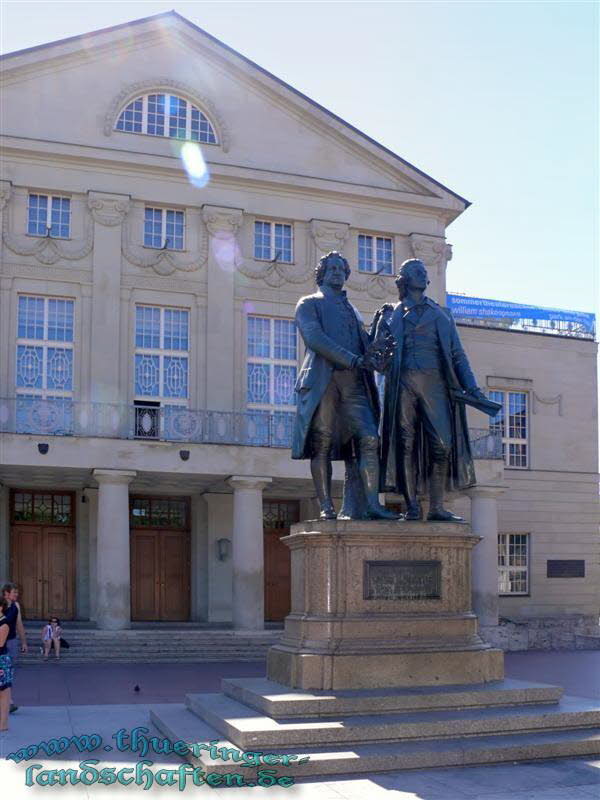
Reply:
x=496, y=100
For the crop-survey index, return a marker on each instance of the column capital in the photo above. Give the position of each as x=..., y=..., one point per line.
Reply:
x=434, y=251
x=491, y=490
x=219, y=219
x=108, y=209
x=329, y=235
x=90, y=491
x=248, y=482
x=5, y=193
x=118, y=476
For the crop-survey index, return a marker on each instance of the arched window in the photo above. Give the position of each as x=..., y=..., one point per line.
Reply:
x=166, y=115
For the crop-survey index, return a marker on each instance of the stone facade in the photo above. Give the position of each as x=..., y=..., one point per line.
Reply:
x=281, y=159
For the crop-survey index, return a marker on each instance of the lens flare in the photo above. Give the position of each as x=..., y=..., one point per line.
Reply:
x=195, y=165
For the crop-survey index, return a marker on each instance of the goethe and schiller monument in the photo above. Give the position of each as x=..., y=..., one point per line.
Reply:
x=384, y=599
x=381, y=665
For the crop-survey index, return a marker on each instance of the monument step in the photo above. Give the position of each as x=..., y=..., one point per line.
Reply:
x=278, y=701
x=241, y=724
x=178, y=724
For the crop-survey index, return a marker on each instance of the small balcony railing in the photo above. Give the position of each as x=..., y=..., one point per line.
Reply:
x=63, y=417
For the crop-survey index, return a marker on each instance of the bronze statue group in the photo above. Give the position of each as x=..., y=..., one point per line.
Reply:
x=416, y=440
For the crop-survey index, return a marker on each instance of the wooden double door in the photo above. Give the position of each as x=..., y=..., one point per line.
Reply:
x=278, y=515
x=42, y=552
x=160, y=559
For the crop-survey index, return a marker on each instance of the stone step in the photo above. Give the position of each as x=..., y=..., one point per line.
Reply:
x=178, y=724
x=241, y=724
x=278, y=701
x=157, y=645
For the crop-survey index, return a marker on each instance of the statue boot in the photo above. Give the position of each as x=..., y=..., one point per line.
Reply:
x=321, y=469
x=413, y=507
x=369, y=472
x=437, y=485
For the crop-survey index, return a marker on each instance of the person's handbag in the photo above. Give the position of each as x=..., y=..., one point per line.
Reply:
x=64, y=643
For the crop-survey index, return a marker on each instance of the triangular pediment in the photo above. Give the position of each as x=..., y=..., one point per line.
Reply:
x=75, y=87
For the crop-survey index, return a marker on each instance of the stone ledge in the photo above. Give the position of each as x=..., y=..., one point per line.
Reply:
x=278, y=701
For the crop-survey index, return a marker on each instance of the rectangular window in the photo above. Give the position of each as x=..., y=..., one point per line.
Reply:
x=273, y=241
x=512, y=424
x=513, y=563
x=272, y=351
x=161, y=359
x=164, y=228
x=271, y=372
x=49, y=215
x=375, y=254
x=44, y=365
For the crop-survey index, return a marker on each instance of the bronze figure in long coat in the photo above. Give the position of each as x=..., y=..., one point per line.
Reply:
x=337, y=413
x=424, y=434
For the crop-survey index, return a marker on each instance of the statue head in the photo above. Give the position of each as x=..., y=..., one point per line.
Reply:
x=411, y=275
x=321, y=271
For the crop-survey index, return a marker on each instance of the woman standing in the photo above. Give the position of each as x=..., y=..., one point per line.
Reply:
x=51, y=635
x=6, y=670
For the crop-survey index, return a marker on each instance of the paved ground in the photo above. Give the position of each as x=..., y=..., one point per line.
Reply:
x=62, y=700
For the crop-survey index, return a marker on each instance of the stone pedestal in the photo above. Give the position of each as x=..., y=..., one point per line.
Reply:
x=380, y=667
x=381, y=604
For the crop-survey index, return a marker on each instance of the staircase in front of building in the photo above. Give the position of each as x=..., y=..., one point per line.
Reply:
x=153, y=643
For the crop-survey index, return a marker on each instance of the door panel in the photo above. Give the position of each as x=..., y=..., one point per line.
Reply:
x=160, y=575
x=58, y=572
x=278, y=515
x=144, y=576
x=26, y=548
x=277, y=577
x=175, y=578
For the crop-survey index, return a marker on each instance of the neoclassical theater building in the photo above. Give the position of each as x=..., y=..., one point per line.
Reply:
x=164, y=201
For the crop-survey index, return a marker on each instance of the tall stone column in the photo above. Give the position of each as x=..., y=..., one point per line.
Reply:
x=91, y=499
x=484, y=523
x=113, y=579
x=222, y=224
x=248, y=552
x=108, y=212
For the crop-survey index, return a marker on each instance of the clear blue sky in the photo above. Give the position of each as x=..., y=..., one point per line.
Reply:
x=499, y=101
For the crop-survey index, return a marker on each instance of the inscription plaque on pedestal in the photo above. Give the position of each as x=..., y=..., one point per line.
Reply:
x=402, y=580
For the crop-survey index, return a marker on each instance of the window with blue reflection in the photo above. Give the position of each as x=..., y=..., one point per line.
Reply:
x=31, y=317
x=258, y=383
x=169, y=115
x=273, y=241
x=259, y=337
x=176, y=329
x=375, y=254
x=147, y=375
x=175, y=377
x=49, y=216
x=147, y=327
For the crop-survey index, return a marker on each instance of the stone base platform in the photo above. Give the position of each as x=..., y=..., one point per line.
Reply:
x=381, y=604
x=378, y=730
